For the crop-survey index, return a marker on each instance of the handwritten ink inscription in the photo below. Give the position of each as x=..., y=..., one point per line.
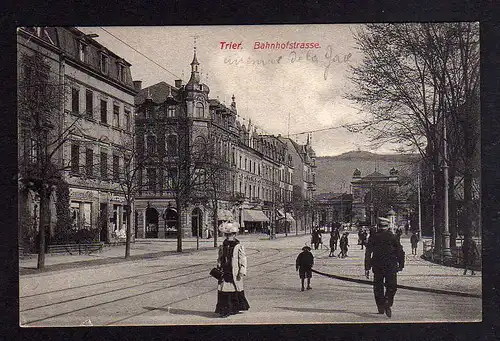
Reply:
x=326, y=59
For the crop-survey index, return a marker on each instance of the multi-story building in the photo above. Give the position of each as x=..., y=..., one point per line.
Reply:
x=172, y=122
x=303, y=159
x=96, y=115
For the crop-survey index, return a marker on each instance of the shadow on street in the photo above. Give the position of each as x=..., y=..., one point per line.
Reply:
x=176, y=311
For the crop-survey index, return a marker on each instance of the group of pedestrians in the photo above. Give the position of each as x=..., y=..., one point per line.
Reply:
x=384, y=256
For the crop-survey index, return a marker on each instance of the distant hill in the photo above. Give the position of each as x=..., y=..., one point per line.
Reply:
x=333, y=172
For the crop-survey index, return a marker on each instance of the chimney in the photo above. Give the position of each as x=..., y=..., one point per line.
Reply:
x=137, y=85
x=178, y=83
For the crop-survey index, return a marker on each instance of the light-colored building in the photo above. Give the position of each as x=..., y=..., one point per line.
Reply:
x=96, y=115
x=303, y=159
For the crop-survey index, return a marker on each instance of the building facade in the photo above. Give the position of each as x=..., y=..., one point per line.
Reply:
x=377, y=194
x=97, y=125
x=332, y=207
x=173, y=124
x=303, y=160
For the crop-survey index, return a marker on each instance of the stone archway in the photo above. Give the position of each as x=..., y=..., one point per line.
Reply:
x=170, y=219
x=197, y=222
x=151, y=223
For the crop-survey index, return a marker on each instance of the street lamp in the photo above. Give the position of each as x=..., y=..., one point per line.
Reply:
x=446, y=232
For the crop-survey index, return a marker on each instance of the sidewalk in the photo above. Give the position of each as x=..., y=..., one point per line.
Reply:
x=417, y=272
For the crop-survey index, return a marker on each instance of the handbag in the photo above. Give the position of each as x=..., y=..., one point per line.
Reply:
x=216, y=273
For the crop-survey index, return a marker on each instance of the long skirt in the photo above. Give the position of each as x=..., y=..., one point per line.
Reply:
x=231, y=302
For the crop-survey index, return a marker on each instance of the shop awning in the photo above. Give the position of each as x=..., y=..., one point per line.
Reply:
x=286, y=216
x=253, y=215
x=223, y=214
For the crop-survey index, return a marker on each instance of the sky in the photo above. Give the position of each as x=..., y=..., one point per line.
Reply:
x=282, y=91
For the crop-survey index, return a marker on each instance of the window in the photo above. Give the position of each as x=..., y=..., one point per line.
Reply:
x=126, y=166
x=89, y=162
x=89, y=103
x=151, y=179
x=199, y=110
x=121, y=72
x=172, y=145
x=126, y=114
x=116, y=116
x=75, y=158
x=104, y=111
x=104, y=165
x=75, y=100
x=116, y=167
x=151, y=144
x=82, y=51
x=104, y=63
x=33, y=153
x=171, y=111
x=171, y=179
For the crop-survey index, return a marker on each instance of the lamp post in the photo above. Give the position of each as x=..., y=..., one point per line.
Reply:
x=446, y=232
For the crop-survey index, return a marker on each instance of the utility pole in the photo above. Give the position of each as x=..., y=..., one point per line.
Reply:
x=419, y=207
x=446, y=232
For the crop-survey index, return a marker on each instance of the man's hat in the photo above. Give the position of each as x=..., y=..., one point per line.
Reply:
x=383, y=222
x=306, y=248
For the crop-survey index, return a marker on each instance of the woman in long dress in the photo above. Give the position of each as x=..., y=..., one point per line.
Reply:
x=233, y=262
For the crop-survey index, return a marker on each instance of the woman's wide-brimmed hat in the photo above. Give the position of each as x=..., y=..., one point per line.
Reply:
x=229, y=227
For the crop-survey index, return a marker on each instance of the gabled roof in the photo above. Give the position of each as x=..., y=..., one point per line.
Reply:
x=158, y=93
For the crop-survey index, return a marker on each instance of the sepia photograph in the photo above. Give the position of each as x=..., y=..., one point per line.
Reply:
x=249, y=175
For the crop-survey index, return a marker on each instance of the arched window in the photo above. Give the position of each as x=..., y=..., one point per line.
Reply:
x=171, y=111
x=199, y=110
x=151, y=144
x=172, y=148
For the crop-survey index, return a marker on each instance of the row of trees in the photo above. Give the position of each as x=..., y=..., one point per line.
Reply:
x=418, y=81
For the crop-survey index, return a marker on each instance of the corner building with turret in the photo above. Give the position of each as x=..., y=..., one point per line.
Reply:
x=254, y=171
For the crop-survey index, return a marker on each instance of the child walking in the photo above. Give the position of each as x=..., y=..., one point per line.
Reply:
x=344, y=245
x=304, y=264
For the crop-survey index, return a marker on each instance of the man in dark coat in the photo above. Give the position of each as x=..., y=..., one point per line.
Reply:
x=304, y=264
x=334, y=237
x=385, y=256
x=469, y=253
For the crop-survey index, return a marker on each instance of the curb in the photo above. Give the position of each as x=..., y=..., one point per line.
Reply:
x=434, y=291
x=104, y=261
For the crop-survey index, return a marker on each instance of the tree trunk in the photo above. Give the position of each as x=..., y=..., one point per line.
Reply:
x=42, y=226
x=215, y=222
x=128, y=236
x=179, y=227
x=452, y=209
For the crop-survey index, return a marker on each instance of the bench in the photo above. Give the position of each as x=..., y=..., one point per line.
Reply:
x=83, y=248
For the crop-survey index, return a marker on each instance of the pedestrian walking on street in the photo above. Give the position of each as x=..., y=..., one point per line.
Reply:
x=315, y=238
x=362, y=235
x=414, y=243
x=334, y=237
x=232, y=261
x=304, y=264
x=344, y=245
x=384, y=255
x=469, y=253
x=399, y=232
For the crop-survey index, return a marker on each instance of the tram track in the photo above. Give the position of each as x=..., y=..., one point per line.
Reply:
x=121, y=279
x=134, y=286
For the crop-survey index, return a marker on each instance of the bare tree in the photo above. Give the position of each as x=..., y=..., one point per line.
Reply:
x=128, y=178
x=415, y=79
x=44, y=130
